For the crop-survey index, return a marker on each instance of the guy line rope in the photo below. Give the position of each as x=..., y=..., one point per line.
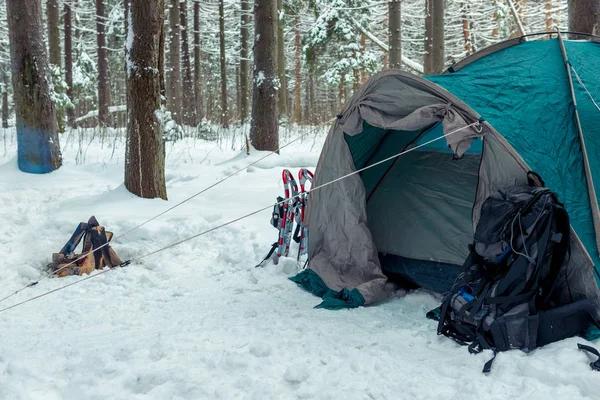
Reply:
x=270, y=206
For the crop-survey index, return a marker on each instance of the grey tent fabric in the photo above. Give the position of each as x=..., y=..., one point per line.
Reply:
x=343, y=243
x=422, y=209
x=341, y=247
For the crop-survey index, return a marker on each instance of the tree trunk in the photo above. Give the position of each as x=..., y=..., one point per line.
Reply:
x=198, y=63
x=386, y=24
x=341, y=92
x=103, y=78
x=297, y=87
x=363, y=49
x=264, y=126
x=521, y=8
x=310, y=117
x=175, y=104
x=37, y=130
x=437, y=54
x=466, y=29
x=145, y=159
x=244, y=62
x=394, y=37
x=281, y=62
x=549, y=16
x=584, y=16
x=427, y=58
x=53, y=32
x=497, y=18
x=4, y=97
x=69, y=60
x=224, y=111
x=189, y=95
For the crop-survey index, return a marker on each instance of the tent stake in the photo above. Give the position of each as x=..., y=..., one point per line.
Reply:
x=586, y=163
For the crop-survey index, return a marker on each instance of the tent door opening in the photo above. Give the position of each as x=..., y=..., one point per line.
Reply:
x=420, y=205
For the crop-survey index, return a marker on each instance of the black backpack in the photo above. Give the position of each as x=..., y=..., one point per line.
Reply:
x=503, y=299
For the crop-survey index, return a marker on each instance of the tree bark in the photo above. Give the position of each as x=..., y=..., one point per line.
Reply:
x=198, y=63
x=437, y=54
x=297, y=87
x=363, y=49
x=189, y=95
x=224, y=111
x=175, y=103
x=244, y=62
x=264, y=126
x=466, y=28
x=53, y=32
x=103, y=78
x=341, y=92
x=584, y=16
x=37, y=130
x=549, y=14
x=281, y=62
x=4, y=97
x=386, y=24
x=68, y=28
x=145, y=162
x=394, y=36
x=428, y=58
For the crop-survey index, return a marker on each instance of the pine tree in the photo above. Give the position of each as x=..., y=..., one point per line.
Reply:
x=584, y=16
x=37, y=130
x=103, y=75
x=198, y=63
x=145, y=154
x=437, y=12
x=264, y=126
x=175, y=103
x=395, y=38
x=223, y=63
x=68, y=32
x=244, y=61
x=189, y=95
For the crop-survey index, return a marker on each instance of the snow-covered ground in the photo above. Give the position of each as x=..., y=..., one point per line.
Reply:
x=198, y=321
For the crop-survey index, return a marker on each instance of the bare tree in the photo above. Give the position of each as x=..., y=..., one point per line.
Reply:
x=466, y=28
x=175, y=102
x=145, y=157
x=4, y=90
x=189, y=96
x=394, y=35
x=281, y=61
x=68, y=28
x=363, y=49
x=584, y=16
x=37, y=130
x=437, y=54
x=224, y=111
x=244, y=62
x=428, y=57
x=264, y=126
x=297, y=88
x=198, y=63
x=103, y=78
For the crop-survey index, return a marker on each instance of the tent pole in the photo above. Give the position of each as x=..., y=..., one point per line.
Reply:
x=586, y=163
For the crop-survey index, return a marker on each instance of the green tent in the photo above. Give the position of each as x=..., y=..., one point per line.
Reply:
x=517, y=106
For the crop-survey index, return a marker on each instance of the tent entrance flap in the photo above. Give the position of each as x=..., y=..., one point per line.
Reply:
x=419, y=206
